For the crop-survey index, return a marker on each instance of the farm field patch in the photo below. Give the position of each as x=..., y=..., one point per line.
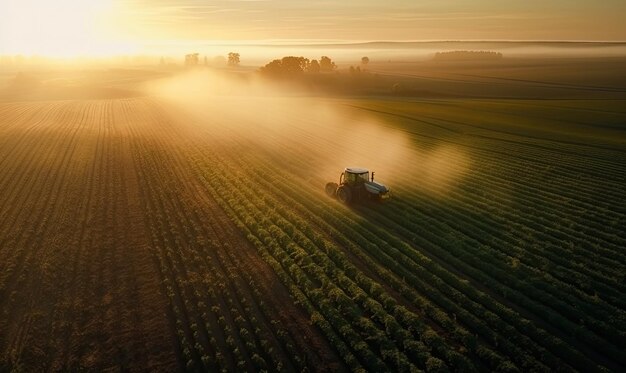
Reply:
x=164, y=233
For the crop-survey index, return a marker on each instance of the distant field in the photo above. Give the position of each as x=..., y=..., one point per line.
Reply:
x=193, y=233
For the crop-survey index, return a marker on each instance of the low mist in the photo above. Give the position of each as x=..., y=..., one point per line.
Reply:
x=283, y=120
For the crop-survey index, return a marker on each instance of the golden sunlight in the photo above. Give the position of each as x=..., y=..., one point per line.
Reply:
x=323, y=186
x=61, y=28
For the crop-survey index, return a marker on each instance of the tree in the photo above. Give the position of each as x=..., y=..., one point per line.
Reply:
x=272, y=68
x=233, y=59
x=314, y=67
x=365, y=60
x=191, y=59
x=295, y=65
x=326, y=64
x=289, y=65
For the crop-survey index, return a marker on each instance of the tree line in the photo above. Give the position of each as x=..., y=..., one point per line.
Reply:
x=288, y=65
x=291, y=65
x=193, y=59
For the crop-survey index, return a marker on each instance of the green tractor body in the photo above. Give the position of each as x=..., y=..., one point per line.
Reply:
x=355, y=185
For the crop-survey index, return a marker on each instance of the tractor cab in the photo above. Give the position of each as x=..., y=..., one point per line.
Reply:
x=355, y=184
x=354, y=176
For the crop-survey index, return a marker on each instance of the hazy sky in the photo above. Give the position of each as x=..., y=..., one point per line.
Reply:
x=109, y=26
x=380, y=20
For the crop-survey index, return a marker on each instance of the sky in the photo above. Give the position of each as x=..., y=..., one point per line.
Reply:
x=101, y=27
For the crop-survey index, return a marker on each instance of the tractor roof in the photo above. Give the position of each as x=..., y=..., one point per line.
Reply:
x=356, y=170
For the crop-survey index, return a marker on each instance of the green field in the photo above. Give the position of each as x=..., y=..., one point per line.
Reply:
x=503, y=240
x=184, y=226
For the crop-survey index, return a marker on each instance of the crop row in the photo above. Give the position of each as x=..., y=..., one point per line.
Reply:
x=220, y=319
x=392, y=262
x=322, y=245
x=539, y=337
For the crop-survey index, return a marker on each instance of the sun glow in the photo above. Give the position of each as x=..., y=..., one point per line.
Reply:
x=60, y=28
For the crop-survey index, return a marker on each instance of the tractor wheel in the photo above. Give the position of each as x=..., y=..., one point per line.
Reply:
x=344, y=194
x=331, y=189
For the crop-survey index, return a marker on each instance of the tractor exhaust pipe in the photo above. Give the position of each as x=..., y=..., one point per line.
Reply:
x=372, y=176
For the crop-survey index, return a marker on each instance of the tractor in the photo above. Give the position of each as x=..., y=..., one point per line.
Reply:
x=355, y=185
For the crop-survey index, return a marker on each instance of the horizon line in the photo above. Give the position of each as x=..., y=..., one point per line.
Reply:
x=278, y=43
